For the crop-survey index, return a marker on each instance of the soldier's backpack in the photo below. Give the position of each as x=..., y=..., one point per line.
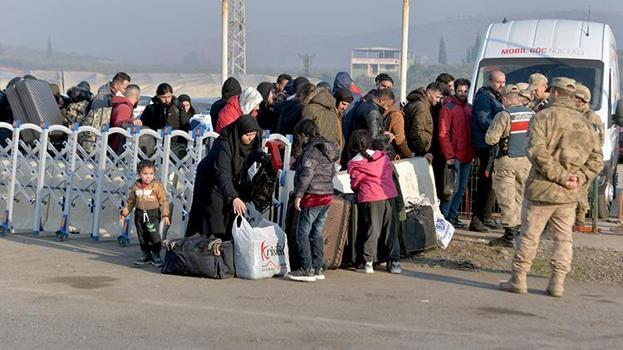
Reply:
x=96, y=118
x=75, y=113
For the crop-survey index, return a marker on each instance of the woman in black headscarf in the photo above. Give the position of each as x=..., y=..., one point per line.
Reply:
x=219, y=194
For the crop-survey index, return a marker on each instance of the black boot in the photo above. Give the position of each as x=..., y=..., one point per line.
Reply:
x=477, y=226
x=492, y=224
x=506, y=240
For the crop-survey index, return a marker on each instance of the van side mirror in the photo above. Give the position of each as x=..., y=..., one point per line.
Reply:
x=617, y=117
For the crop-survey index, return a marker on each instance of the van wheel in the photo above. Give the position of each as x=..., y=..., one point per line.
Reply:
x=606, y=197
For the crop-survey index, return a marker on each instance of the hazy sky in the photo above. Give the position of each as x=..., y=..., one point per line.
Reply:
x=164, y=31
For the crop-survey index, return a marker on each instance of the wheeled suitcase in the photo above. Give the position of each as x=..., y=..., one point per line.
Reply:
x=335, y=232
x=418, y=231
x=32, y=102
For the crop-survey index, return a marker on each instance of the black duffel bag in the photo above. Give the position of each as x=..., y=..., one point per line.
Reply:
x=199, y=256
x=418, y=231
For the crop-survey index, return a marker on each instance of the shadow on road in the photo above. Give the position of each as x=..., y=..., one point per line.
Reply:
x=107, y=250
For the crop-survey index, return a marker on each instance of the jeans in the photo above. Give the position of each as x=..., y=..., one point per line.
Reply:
x=450, y=209
x=309, y=236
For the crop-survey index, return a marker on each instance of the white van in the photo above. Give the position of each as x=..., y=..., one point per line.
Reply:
x=584, y=51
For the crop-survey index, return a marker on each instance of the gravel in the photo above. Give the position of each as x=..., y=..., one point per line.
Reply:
x=604, y=266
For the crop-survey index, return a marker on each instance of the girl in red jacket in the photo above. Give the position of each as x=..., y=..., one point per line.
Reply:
x=371, y=179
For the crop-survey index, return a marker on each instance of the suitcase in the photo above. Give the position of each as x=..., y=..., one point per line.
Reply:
x=199, y=256
x=336, y=232
x=418, y=231
x=32, y=102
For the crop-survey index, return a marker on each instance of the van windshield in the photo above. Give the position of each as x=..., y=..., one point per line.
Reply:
x=587, y=72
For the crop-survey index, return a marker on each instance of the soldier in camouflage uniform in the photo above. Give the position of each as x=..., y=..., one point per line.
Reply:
x=538, y=87
x=582, y=101
x=509, y=130
x=565, y=154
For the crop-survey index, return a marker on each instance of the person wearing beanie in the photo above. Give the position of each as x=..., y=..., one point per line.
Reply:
x=231, y=87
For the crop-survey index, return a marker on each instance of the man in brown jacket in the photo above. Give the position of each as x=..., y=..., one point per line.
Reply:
x=319, y=106
x=565, y=154
x=419, y=118
x=394, y=121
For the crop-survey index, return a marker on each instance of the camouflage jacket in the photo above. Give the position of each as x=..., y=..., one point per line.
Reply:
x=595, y=122
x=561, y=142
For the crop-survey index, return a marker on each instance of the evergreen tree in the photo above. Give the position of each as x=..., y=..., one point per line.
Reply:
x=443, y=56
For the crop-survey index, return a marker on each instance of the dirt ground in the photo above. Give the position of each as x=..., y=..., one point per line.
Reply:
x=470, y=252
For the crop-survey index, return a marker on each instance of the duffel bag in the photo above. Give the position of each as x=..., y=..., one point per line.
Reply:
x=199, y=256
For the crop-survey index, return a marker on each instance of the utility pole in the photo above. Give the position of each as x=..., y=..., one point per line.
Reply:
x=224, y=20
x=404, y=51
x=307, y=63
x=237, y=38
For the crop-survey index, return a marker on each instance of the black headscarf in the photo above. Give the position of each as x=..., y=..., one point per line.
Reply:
x=232, y=134
x=265, y=88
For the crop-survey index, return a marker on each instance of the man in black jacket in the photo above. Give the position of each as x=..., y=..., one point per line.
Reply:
x=369, y=116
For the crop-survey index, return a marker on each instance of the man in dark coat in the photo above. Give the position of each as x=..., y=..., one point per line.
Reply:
x=231, y=87
x=266, y=116
x=218, y=195
x=419, y=125
x=289, y=112
x=487, y=103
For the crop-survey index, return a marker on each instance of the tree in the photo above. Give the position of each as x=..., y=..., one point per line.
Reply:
x=443, y=56
x=472, y=52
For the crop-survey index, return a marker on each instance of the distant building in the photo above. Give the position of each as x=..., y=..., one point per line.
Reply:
x=374, y=60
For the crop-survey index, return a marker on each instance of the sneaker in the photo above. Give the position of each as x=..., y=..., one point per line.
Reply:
x=493, y=224
x=394, y=267
x=456, y=223
x=156, y=261
x=301, y=275
x=365, y=268
x=143, y=260
x=319, y=274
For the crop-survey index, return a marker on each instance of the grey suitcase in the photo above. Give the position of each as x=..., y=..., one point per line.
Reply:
x=32, y=102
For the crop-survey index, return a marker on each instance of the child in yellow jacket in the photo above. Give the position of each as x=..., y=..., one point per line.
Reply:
x=150, y=199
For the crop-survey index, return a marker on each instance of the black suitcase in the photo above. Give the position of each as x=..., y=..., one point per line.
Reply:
x=418, y=231
x=199, y=256
x=32, y=102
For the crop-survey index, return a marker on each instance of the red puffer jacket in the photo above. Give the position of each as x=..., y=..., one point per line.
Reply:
x=455, y=134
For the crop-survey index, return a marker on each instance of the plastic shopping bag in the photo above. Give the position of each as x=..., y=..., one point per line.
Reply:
x=260, y=251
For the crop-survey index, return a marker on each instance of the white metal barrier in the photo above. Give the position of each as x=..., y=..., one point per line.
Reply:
x=55, y=180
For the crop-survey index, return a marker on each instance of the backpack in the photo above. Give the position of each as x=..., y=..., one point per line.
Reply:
x=96, y=118
x=264, y=183
x=75, y=113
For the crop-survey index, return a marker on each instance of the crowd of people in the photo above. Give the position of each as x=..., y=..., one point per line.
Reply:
x=536, y=145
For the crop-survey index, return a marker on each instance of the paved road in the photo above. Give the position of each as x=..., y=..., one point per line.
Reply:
x=80, y=294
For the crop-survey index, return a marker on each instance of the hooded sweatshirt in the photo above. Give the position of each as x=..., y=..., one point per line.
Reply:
x=122, y=113
x=372, y=180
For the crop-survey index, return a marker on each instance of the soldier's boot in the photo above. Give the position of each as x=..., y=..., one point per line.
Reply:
x=506, y=240
x=556, y=287
x=477, y=226
x=580, y=218
x=517, y=283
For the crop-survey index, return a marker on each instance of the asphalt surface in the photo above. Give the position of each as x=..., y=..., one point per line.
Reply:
x=81, y=294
